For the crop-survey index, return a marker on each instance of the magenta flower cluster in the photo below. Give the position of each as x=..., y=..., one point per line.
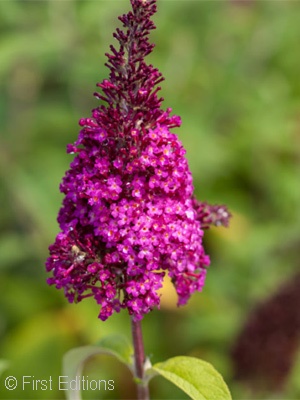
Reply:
x=129, y=215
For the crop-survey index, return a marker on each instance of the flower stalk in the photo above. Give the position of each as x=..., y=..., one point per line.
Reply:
x=139, y=360
x=129, y=216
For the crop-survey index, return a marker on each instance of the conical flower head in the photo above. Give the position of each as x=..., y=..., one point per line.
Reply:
x=129, y=216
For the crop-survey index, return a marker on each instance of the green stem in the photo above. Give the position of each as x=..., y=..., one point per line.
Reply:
x=139, y=360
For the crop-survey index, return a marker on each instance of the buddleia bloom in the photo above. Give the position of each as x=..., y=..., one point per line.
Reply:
x=129, y=216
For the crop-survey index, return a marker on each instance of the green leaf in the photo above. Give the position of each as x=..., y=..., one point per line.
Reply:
x=73, y=361
x=3, y=366
x=195, y=377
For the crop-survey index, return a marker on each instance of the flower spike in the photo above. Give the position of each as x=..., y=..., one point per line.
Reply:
x=128, y=215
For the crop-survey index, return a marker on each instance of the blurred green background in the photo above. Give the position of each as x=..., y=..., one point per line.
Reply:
x=232, y=74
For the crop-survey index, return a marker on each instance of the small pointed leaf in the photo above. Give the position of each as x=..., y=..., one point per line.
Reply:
x=73, y=361
x=195, y=377
x=119, y=346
